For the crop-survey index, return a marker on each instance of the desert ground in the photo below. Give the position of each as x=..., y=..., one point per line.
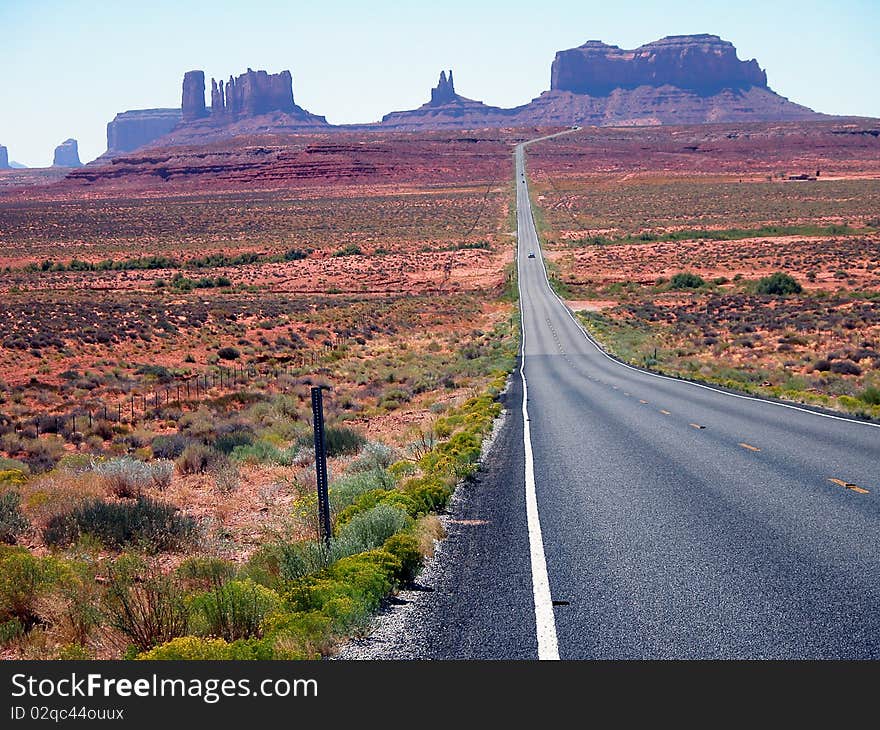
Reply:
x=178, y=322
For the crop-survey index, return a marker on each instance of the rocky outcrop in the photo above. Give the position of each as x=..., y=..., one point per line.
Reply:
x=702, y=63
x=677, y=80
x=253, y=93
x=133, y=129
x=4, y=158
x=192, y=105
x=67, y=154
x=446, y=109
x=444, y=92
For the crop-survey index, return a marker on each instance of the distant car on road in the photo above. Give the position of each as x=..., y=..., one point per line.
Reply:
x=531, y=254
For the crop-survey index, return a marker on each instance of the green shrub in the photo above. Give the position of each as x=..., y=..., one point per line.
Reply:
x=350, y=249
x=169, y=447
x=197, y=458
x=341, y=440
x=373, y=457
x=228, y=353
x=200, y=649
x=127, y=477
x=428, y=493
x=201, y=573
x=370, y=529
x=686, y=280
x=262, y=452
x=12, y=522
x=350, y=590
x=302, y=558
x=348, y=489
x=405, y=548
x=24, y=580
x=233, y=610
x=144, y=522
x=870, y=395
x=148, y=612
x=228, y=442
x=845, y=367
x=10, y=630
x=778, y=284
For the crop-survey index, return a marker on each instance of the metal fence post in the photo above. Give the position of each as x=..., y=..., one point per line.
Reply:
x=321, y=464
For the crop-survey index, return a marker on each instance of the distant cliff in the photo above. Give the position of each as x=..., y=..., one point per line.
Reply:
x=683, y=79
x=702, y=63
x=132, y=129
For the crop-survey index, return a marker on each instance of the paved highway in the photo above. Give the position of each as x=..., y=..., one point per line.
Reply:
x=632, y=516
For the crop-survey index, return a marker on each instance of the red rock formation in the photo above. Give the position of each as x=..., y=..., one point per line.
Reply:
x=253, y=93
x=446, y=109
x=676, y=80
x=702, y=63
x=4, y=158
x=67, y=154
x=136, y=128
x=192, y=104
x=444, y=92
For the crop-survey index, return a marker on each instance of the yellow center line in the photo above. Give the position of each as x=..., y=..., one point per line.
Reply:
x=665, y=413
x=850, y=486
x=750, y=447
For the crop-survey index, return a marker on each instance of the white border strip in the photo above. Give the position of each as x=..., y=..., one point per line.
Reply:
x=790, y=406
x=545, y=621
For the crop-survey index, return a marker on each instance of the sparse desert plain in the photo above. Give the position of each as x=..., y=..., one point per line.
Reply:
x=666, y=241
x=159, y=335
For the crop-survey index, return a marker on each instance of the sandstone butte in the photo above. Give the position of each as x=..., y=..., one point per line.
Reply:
x=67, y=154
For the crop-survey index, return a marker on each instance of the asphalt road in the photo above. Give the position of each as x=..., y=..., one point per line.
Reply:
x=674, y=521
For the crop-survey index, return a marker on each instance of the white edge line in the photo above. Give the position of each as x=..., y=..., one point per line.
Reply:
x=545, y=621
x=589, y=338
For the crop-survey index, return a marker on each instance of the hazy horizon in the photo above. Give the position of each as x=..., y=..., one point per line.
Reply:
x=353, y=63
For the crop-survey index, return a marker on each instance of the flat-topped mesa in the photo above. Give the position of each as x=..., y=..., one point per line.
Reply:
x=138, y=127
x=444, y=92
x=253, y=93
x=703, y=63
x=4, y=158
x=192, y=105
x=67, y=154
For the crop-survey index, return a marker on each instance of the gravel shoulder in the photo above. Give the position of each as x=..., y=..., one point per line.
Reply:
x=473, y=599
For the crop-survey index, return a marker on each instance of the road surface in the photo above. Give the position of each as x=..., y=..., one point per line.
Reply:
x=633, y=516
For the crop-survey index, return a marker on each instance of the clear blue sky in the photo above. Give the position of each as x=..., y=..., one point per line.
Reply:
x=70, y=65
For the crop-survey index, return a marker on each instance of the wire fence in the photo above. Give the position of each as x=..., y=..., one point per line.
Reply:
x=152, y=401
